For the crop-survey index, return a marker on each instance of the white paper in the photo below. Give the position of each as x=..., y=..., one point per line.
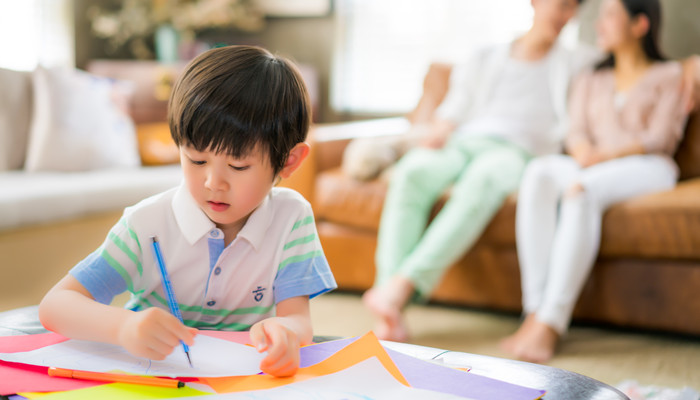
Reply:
x=367, y=380
x=211, y=357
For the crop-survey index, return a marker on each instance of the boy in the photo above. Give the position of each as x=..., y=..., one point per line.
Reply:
x=240, y=253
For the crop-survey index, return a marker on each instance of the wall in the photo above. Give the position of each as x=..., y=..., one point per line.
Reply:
x=680, y=32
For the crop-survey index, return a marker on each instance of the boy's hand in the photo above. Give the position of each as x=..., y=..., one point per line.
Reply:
x=153, y=333
x=281, y=344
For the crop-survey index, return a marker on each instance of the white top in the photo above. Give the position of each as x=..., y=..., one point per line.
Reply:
x=276, y=255
x=520, y=109
x=523, y=102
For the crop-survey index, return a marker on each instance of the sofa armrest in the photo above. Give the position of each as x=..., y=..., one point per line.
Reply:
x=330, y=140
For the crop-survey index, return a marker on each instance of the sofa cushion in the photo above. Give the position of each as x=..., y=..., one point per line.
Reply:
x=34, y=198
x=659, y=225
x=80, y=122
x=15, y=114
x=341, y=199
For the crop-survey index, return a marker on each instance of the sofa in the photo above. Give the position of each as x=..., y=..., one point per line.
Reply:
x=647, y=274
x=61, y=192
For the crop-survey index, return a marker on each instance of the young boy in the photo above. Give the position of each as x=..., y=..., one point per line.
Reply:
x=240, y=253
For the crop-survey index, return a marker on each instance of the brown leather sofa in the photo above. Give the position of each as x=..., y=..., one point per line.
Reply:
x=646, y=276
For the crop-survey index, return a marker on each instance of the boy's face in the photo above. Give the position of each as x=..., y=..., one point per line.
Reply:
x=227, y=189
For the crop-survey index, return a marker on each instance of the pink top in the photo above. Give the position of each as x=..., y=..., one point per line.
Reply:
x=650, y=113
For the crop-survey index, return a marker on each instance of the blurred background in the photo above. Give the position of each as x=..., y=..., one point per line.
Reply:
x=368, y=57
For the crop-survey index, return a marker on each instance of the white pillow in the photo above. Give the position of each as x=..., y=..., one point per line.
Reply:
x=78, y=124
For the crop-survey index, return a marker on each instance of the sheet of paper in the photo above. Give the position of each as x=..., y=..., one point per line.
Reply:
x=24, y=378
x=211, y=357
x=359, y=350
x=426, y=375
x=367, y=380
x=121, y=391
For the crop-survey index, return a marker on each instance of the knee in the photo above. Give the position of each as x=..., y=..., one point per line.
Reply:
x=411, y=168
x=575, y=191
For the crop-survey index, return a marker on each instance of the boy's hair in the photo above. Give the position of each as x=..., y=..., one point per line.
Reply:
x=238, y=99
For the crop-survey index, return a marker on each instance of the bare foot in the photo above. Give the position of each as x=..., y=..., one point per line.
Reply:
x=534, y=341
x=386, y=304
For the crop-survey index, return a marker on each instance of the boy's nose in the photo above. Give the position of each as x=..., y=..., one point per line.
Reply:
x=216, y=182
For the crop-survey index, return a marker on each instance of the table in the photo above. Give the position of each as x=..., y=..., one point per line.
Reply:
x=559, y=384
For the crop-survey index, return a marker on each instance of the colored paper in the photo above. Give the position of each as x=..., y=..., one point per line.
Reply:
x=427, y=375
x=367, y=379
x=359, y=350
x=211, y=357
x=122, y=391
x=24, y=378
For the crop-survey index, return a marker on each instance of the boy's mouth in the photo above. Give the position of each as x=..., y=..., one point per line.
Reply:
x=218, y=207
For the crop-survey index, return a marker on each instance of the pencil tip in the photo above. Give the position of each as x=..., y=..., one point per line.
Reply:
x=189, y=360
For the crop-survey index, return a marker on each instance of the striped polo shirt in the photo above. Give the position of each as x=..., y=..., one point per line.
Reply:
x=277, y=255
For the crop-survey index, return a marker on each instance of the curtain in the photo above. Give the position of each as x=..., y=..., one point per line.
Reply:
x=36, y=32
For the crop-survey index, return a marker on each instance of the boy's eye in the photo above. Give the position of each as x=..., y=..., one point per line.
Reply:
x=239, y=168
x=195, y=162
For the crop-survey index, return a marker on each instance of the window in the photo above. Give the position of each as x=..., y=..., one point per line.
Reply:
x=384, y=47
x=36, y=32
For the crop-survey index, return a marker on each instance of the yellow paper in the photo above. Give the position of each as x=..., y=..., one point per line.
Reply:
x=363, y=348
x=117, y=391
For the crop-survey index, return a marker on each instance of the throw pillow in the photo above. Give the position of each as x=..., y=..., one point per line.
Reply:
x=156, y=146
x=79, y=123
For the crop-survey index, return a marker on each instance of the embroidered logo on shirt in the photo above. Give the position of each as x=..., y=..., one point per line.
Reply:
x=258, y=293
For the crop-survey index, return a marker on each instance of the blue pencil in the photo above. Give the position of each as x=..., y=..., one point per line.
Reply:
x=167, y=288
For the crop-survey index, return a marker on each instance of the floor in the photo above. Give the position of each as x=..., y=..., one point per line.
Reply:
x=609, y=355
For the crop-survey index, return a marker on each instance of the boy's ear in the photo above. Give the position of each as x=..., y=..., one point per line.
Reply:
x=296, y=156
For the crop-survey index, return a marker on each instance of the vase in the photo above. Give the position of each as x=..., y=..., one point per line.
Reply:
x=166, y=44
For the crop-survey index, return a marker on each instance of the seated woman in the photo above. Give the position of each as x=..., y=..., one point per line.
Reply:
x=627, y=118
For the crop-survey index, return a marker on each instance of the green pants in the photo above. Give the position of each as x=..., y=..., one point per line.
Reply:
x=482, y=173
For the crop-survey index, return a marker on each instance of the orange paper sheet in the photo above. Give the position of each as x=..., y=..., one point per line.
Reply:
x=363, y=348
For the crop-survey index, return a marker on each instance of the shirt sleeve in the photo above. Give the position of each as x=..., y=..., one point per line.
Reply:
x=304, y=270
x=113, y=267
x=667, y=120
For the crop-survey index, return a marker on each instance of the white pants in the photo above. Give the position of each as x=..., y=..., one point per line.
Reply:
x=558, y=234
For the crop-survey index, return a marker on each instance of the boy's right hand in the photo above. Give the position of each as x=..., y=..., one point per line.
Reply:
x=153, y=333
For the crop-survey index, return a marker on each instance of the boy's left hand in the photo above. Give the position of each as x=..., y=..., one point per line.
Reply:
x=281, y=344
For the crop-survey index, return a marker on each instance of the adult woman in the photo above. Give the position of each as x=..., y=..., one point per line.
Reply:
x=627, y=117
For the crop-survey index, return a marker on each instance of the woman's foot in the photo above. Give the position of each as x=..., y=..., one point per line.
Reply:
x=386, y=303
x=534, y=341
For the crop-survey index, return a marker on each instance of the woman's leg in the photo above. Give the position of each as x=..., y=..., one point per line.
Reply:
x=543, y=182
x=418, y=180
x=536, y=220
x=577, y=240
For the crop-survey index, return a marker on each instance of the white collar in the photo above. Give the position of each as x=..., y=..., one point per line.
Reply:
x=194, y=223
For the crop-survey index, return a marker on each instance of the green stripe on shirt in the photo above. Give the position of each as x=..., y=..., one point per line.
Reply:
x=221, y=326
x=303, y=222
x=303, y=240
x=118, y=267
x=125, y=248
x=260, y=310
x=299, y=258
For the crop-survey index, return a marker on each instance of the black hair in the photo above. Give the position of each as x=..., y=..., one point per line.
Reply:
x=238, y=99
x=650, y=42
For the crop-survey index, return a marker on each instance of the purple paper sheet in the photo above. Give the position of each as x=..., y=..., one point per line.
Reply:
x=426, y=375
